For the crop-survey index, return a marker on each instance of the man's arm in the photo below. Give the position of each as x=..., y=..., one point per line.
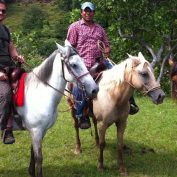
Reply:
x=72, y=35
x=14, y=54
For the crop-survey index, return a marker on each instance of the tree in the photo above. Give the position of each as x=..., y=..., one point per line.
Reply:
x=146, y=25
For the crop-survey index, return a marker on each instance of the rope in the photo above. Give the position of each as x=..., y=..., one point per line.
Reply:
x=102, y=47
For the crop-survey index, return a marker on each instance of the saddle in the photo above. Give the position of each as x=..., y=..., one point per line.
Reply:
x=15, y=76
x=97, y=68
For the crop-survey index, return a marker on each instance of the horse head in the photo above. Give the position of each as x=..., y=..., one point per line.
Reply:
x=74, y=70
x=141, y=77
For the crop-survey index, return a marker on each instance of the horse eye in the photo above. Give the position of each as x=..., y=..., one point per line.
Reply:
x=144, y=74
x=74, y=66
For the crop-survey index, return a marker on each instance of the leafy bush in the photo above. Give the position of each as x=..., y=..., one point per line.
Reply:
x=34, y=19
x=46, y=46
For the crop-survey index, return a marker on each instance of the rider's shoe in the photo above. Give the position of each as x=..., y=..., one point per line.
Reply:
x=133, y=109
x=7, y=137
x=84, y=123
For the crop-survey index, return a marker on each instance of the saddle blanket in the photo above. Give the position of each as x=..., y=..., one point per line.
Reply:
x=18, y=96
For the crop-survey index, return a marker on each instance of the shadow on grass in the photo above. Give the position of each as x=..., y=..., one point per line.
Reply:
x=139, y=163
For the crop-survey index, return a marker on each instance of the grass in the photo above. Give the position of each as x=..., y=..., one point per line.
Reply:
x=151, y=134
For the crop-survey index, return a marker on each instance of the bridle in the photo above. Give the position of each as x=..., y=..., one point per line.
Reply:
x=147, y=89
x=65, y=61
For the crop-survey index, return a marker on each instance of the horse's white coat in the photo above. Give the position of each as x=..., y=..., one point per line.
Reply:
x=41, y=101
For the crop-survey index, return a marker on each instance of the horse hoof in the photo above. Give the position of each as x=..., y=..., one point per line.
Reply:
x=100, y=167
x=77, y=151
x=123, y=171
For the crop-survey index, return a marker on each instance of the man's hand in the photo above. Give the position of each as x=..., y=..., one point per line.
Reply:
x=3, y=76
x=19, y=58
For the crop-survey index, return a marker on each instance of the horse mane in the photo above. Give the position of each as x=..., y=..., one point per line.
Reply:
x=113, y=76
x=45, y=69
x=116, y=75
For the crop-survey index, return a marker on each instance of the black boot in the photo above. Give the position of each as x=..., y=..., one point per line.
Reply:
x=133, y=109
x=7, y=137
x=133, y=106
x=84, y=123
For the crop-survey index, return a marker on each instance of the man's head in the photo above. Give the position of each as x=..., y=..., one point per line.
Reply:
x=88, y=5
x=2, y=10
x=87, y=11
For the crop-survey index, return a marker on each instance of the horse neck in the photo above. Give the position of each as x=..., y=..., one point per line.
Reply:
x=116, y=85
x=50, y=73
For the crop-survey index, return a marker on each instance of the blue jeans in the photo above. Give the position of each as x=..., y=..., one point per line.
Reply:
x=80, y=95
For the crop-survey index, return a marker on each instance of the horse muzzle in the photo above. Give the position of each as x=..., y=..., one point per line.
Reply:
x=92, y=91
x=157, y=96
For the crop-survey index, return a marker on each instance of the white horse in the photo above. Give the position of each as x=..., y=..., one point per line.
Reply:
x=44, y=87
x=116, y=86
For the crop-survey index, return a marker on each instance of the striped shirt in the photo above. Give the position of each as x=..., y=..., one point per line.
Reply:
x=84, y=38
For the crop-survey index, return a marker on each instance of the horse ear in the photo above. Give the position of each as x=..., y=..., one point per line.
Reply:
x=68, y=51
x=67, y=43
x=130, y=56
x=60, y=48
x=140, y=55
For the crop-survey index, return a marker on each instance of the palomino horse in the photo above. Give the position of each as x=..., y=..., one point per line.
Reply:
x=112, y=103
x=44, y=88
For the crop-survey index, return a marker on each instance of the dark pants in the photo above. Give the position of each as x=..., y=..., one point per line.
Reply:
x=5, y=103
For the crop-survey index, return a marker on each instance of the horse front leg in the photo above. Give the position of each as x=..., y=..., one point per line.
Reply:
x=102, y=144
x=120, y=133
x=78, y=149
x=31, y=168
x=36, y=155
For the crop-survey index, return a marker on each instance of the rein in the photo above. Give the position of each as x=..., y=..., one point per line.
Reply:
x=46, y=83
x=64, y=62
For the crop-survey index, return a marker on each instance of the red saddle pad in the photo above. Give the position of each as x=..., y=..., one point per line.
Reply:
x=18, y=97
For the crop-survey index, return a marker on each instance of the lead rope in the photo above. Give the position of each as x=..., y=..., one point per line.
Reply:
x=107, y=56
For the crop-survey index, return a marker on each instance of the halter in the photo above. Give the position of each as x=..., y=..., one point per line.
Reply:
x=147, y=89
x=65, y=62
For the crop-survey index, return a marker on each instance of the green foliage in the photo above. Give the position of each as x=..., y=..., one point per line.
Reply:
x=61, y=27
x=46, y=46
x=28, y=48
x=34, y=19
x=68, y=5
x=64, y=5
